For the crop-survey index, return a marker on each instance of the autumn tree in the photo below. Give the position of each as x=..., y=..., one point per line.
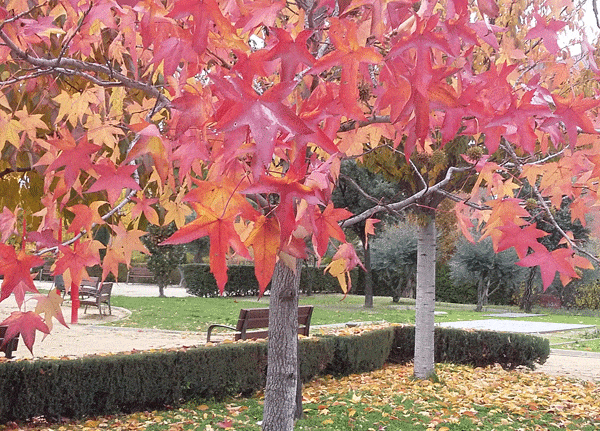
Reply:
x=240, y=113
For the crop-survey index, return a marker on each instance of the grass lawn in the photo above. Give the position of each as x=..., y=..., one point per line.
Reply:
x=195, y=314
x=390, y=399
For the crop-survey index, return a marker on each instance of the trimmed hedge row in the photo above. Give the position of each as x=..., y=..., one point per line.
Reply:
x=100, y=385
x=241, y=281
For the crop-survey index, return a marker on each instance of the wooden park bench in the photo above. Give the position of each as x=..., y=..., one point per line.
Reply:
x=139, y=273
x=9, y=347
x=97, y=297
x=254, y=322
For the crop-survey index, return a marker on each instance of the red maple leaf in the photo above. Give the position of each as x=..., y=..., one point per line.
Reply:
x=85, y=217
x=547, y=30
x=291, y=52
x=290, y=188
x=559, y=260
x=16, y=268
x=24, y=323
x=74, y=157
x=8, y=219
x=144, y=205
x=325, y=226
x=572, y=112
x=74, y=261
x=519, y=238
x=113, y=179
x=265, y=116
x=349, y=55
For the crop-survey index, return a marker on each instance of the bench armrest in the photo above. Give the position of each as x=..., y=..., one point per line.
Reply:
x=216, y=325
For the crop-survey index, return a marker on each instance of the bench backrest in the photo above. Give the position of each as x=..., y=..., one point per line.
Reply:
x=105, y=290
x=91, y=282
x=258, y=318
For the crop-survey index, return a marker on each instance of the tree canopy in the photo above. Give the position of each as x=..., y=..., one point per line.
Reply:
x=241, y=112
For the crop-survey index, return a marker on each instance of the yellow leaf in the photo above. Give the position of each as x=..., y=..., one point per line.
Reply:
x=327, y=422
x=203, y=407
x=351, y=413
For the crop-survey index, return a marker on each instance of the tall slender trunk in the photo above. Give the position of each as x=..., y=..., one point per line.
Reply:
x=368, y=276
x=282, y=362
x=424, y=365
x=480, y=294
x=526, y=303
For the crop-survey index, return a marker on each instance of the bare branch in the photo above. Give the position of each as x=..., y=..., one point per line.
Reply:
x=399, y=206
x=84, y=68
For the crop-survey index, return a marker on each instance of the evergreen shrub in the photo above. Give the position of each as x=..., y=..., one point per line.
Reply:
x=476, y=348
x=241, y=281
x=360, y=353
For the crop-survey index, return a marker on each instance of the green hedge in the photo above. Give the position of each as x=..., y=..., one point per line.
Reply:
x=476, y=348
x=241, y=281
x=100, y=385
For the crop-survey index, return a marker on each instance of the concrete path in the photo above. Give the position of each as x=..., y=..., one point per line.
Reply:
x=519, y=326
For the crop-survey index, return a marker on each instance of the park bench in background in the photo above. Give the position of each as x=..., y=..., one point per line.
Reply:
x=9, y=347
x=139, y=273
x=97, y=297
x=257, y=320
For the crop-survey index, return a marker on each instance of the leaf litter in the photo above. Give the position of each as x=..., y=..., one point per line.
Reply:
x=389, y=399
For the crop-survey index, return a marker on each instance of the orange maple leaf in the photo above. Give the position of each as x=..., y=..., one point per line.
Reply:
x=264, y=240
x=49, y=305
x=222, y=234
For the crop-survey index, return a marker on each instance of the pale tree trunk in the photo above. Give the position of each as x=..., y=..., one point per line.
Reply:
x=282, y=366
x=424, y=366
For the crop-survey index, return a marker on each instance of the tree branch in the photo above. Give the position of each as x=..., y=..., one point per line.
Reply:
x=398, y=206
x=62, y=65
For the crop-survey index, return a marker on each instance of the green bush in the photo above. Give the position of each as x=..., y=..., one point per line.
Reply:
x=476, y=348
x=588, y=296
x=360, y=353
x=242, y=282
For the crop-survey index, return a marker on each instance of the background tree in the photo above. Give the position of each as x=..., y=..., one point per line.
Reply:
x=394, y=253
x=164, y=259
x=477, y=263
x=350, y=194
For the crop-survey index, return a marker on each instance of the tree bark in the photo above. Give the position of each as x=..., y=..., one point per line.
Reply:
x=526, y=303
x=368, y=276
x=282, y=363
x=424, y=366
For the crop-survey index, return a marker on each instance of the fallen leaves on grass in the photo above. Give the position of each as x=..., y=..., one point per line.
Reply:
x=391, y=399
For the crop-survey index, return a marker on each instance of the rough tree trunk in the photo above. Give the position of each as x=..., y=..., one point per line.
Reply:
x=161, y=291
x=424, y=366
x=482, y=294
x=526, y=303
x=368, y=276
x=282, y=366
